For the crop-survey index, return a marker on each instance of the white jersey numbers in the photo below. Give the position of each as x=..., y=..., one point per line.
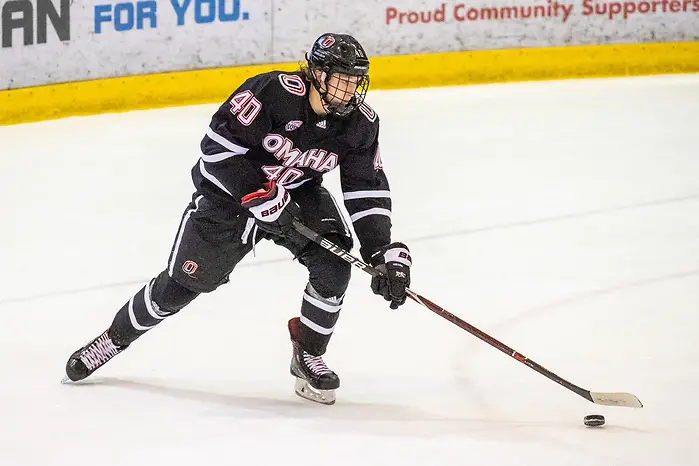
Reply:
x=246, y=106
x=282, y=175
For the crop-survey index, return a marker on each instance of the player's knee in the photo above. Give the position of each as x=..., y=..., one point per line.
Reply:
x=169, y=295
x=330, y=275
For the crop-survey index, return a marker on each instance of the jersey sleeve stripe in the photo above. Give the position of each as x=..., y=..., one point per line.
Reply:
x=235, y=148
x=366, y=194
x=212, y=178
x=366, y=213
x=218, y=157
x=297, y=184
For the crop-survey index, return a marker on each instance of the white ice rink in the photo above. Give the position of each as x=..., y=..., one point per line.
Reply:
x=562, y=218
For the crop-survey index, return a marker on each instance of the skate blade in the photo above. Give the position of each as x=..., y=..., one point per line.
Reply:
x=67, y=381
x=304, y=390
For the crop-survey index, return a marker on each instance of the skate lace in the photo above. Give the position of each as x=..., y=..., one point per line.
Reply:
x=316, y=364
x=99, y=352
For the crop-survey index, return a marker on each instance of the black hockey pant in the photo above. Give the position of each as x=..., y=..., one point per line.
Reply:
x=212, y=240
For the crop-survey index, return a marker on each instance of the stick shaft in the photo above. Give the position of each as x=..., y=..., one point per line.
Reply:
x=629, y=400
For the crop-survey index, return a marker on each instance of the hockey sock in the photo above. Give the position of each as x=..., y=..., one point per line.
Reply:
x=158, y=299
x=318, y=318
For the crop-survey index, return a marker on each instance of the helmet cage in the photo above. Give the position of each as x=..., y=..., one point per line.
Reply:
x=342, y=57
x=333, y=97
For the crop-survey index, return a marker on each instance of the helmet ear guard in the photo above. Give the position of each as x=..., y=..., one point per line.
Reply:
x=342, y=55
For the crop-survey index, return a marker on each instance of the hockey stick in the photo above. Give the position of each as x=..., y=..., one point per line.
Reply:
x=601, y=398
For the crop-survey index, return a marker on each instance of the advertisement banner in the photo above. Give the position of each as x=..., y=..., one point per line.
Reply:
x=53, y=41
x=418, y=26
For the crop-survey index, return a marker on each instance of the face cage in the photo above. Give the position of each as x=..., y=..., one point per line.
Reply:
x=342, y=110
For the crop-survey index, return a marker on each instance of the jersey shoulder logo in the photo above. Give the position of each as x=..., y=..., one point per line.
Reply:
x=293, y=84
x=368, y=112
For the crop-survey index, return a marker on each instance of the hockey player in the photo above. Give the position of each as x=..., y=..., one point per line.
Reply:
x=263, y=158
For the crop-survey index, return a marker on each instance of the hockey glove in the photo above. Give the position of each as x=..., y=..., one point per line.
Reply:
x=394, y=262
x=273, y=208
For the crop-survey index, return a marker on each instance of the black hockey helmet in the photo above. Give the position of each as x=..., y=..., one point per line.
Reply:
x=339, y=54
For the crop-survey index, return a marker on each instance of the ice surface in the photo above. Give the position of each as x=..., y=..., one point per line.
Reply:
x=562, y=218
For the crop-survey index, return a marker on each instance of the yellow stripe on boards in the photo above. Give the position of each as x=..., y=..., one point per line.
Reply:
x=395, y=72
x=497, y=66
x=124, y=94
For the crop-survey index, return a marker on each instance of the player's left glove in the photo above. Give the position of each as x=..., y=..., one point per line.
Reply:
x=273, y=208
x=394, y=261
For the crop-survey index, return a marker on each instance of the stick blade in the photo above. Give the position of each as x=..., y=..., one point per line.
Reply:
x=626, y=400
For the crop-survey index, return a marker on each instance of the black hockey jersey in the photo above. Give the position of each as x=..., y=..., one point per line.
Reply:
x=267, y=130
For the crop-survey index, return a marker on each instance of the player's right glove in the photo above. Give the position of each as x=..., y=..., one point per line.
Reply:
x=273, y=208
x=394, y=262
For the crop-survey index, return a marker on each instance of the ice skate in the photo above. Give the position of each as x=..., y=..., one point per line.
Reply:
x=91, y=357
x=314, y=380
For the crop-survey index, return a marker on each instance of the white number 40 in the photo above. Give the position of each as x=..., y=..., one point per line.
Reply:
x=246, y=106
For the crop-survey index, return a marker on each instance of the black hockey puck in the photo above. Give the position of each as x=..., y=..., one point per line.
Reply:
x=594, y=420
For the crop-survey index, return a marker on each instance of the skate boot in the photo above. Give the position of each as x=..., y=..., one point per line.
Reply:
x=314, y=380
x=91, y=357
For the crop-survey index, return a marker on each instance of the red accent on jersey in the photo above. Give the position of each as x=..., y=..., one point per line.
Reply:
x=292, y=83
